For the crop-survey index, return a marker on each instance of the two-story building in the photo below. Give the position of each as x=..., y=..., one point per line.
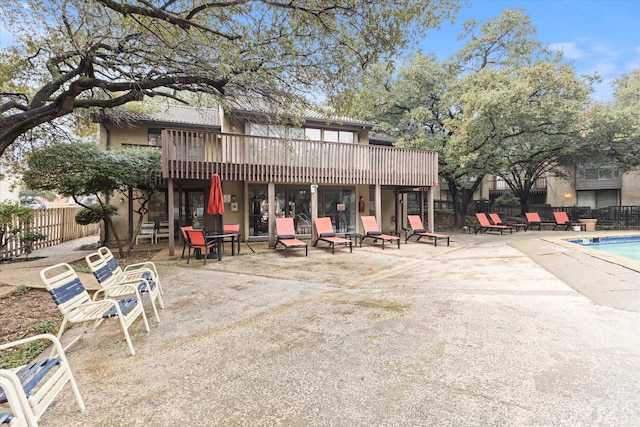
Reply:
x=589, y=185
x=327, y=166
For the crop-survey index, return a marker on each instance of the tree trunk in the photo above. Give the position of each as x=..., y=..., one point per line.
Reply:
x=461, y=197
x=109, y=220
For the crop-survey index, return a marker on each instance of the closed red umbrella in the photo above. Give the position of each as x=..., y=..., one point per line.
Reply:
x=216, y=200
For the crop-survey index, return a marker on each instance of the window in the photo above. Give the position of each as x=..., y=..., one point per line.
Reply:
x=331, y=136
x=155, y=137
x=592, y=172
x=346, y=137
x=315, y=134
x=268, y=130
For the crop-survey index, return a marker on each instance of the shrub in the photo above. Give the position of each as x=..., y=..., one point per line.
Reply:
x=507, y=199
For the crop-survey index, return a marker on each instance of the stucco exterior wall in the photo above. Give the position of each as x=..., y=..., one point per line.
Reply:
x=388, y=209
x=630, y=193
x=124, y=135
x=561, y=192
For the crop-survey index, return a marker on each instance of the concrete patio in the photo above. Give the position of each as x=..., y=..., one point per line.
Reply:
x=518, y=329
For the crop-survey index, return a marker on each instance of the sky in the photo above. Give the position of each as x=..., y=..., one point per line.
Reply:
x=596, y=36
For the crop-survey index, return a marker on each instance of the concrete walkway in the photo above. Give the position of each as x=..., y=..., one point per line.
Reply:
x=479, y=333
x=28, y=273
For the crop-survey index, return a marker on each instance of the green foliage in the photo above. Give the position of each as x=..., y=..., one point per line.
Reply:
x=30, y=194
x=43, y=327
x=13, y=218
x=10, y=211
x=73, y=169
x=502, y=105
x=80, y=169
x=20, y=290
x=97, y=54
x=507, y=199
x=24, y=354
x=28, y=238
x=612, y=131
x=94, y=214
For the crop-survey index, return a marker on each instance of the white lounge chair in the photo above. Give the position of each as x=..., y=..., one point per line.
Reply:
x=124, y=284
x=28, y=390
x=76, y=305
x=147, y=231
x=163, y=231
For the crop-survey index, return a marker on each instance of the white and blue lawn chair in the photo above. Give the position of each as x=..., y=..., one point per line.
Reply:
x=76, y=305
x=28, y=390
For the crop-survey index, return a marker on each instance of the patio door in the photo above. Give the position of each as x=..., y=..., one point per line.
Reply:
x=189, y=208
x=294, y=201
x=339, y=204
x=290, y=202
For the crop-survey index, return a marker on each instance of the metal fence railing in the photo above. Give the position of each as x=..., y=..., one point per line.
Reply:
x=610, y=217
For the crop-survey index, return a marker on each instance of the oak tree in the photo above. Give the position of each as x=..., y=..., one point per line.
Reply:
x=70, y=55
x=498, y=106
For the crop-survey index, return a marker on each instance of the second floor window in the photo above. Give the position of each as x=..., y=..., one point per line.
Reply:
x=592, y=172
x=316, y=134
x=155, y=137
x=312, y=134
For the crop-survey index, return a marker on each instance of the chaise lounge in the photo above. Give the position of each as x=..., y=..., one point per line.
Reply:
x=562, y=219
x=485, y=226
x=498, y=221
x=417, y=229
x=326, y=233
x=533, y=220
x=286, y=236
x=372, y=231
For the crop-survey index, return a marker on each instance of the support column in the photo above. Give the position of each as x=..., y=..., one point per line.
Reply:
x=271, y=196
x=430, y=225
x=170, y=216
x=378, y=204
x=314, y=210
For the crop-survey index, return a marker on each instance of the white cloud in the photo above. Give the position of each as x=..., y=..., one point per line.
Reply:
x=569, y=50
x=604, y=48
x=606, y=68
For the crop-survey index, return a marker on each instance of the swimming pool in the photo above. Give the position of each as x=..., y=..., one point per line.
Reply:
x=626, y=246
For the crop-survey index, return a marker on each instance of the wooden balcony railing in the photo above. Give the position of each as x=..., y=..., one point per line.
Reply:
x=197, y=155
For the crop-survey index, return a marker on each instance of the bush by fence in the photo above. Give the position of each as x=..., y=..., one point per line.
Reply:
x=58, y=224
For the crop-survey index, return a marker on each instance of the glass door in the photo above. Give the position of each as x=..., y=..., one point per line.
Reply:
x=299, y=208
x=189, y=208
x=340, y=205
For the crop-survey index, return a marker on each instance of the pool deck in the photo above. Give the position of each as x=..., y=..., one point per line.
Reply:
x=604, y=278
x=516, y=330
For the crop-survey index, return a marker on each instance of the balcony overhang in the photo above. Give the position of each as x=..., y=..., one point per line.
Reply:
x=196, y=155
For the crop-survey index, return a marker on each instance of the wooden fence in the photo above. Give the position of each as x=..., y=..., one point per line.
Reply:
x=58, y=224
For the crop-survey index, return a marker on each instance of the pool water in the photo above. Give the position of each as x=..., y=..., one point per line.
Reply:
x=625, y=246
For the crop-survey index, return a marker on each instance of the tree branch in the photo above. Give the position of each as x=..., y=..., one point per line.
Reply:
x=153, y=12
